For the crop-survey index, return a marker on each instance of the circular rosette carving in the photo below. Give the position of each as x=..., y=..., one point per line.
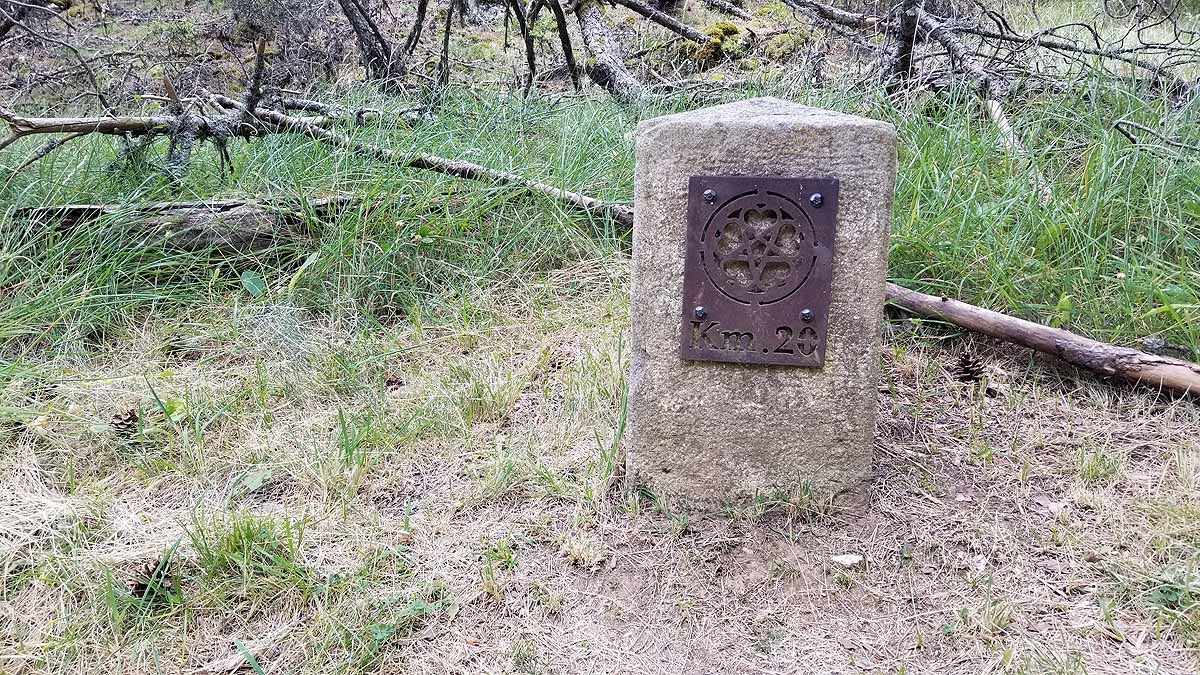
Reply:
x=759, y=247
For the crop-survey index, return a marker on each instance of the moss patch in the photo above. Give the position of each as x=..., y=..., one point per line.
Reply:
x=785, y=46
x=724, y=40
x=774, y=11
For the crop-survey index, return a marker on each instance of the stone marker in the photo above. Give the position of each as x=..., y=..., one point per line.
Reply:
x=759, y=262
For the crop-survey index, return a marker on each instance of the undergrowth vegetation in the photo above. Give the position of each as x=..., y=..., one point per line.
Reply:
x=1110, y=255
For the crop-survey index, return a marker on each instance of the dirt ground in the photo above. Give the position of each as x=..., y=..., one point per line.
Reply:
x=1039, y=521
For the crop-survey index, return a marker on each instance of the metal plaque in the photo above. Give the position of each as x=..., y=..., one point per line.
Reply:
x=758, y=269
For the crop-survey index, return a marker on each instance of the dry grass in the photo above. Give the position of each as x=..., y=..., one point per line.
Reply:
x=439, y=497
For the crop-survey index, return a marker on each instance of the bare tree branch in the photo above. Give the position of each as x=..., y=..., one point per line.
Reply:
x=280, y=122
x=932, y=29
x=564, y=38
x=527, y=39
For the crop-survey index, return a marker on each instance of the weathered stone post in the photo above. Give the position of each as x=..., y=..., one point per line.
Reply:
x=759, y=262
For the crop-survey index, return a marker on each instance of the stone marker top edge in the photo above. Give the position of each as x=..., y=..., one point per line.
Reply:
x=766, y=111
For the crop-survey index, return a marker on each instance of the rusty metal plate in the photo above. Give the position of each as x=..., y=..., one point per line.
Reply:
x=758, y=270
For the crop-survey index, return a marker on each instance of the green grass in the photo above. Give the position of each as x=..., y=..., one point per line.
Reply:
x=1112, y=255
x=248, y=558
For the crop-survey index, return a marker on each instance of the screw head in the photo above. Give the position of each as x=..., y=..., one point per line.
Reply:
x=700, y=312
x=807, y=315
x=710, y=196
x=817, y=199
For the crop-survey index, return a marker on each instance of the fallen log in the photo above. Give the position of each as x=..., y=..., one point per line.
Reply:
x=607, y=68
x=1122, y=363
x=232, y=225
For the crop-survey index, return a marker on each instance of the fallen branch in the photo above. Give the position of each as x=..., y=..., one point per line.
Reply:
x=1158, y=75
x=265, y=120
x=1123, y=126
x=1123, y=363
x=666, y=21
x=49, y=147
x=194, y=126
x=932, y=29
x=132, y=126
x=838, y=16
x=279, y=122
x=239, y=225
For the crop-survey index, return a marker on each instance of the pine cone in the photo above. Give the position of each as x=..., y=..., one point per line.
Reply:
x=969, y=368
x=153, y=581
x=126, y=423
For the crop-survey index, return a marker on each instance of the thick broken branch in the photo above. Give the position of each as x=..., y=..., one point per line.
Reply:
x=225, y=224
x=1123, y=363
x=133, y=126
x=608, y=69
x=116, y=126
